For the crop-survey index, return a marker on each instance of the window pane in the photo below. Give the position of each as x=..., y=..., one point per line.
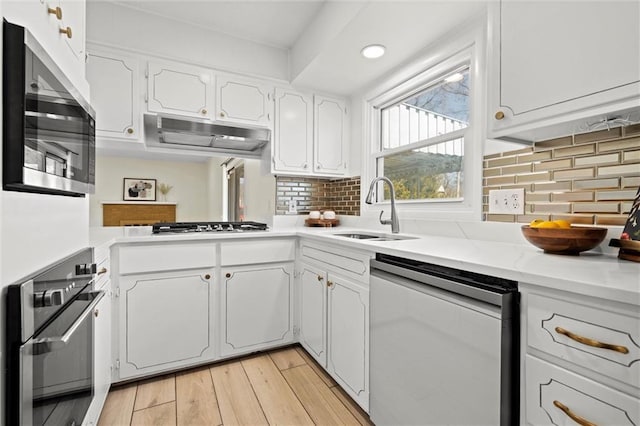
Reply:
x=440, y=109
x=432, y=172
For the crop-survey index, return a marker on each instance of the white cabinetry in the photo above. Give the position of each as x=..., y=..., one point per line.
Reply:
x=73, y=23
x=581, y=359
x=293, y=132
x=334, y=314
x=313, y=312
x=348, y=333
x=330, y=136
x=175, y=88
x=114, y=94
x=102, y=364
x=165, y=322
x=256, y=295
x=551, y=67
x=67, y=53
x=243, y=101
x=257, y=306
x=166, y=313
x=310, y=135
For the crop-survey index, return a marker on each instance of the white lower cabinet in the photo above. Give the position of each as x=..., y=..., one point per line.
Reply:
x=313, y=312
x=334, y=314
x=257, y=307
x=102, y=352
x=348, y=337
x=165, y=321
x=580, y=359
x=562, y=397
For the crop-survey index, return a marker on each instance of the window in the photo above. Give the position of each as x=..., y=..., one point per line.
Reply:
x=422, y=140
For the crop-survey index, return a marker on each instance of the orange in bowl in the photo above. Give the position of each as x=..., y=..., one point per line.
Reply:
x=572, y=240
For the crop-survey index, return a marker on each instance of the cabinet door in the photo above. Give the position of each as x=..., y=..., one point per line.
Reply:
x=313, y=312
x=348, y=332
x=243, y=101
x=256, y=307
x=552, y=63
x=293, y=132
x=114, y=94
x=102, y=353
x=330, y=136
x=180, y=89
x=164, y=321
x=73, y=17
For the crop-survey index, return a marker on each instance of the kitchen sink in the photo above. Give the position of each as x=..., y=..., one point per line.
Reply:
x=359, y=236
x=374, y=237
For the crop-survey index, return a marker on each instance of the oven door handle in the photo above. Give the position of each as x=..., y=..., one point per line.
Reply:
x=48, y=344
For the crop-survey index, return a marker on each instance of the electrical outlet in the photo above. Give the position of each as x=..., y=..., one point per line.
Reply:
x=293, y=206
x=506, y=201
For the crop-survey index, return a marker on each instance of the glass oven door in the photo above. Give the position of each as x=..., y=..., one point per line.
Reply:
x=57, y=366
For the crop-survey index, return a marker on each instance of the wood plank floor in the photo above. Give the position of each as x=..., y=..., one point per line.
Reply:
x=281, y=387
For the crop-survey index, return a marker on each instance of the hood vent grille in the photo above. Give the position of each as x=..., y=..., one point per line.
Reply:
x=204, y=135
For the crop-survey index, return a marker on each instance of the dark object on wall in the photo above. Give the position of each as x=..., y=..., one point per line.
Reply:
x=629, y=241
x=136, y=189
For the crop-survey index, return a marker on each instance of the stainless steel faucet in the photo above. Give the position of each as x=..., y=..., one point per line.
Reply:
x=395, y=225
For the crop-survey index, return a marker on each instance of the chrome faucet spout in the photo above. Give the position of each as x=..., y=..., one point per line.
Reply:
x=395, y=225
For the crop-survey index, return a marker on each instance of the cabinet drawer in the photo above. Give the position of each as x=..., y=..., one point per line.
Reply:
x=549, y=387
x=263, y=251
x=349, y=264
x=568, y=330
x=165, y=257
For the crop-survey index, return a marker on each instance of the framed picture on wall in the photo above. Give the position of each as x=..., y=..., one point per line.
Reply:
x=136, y=189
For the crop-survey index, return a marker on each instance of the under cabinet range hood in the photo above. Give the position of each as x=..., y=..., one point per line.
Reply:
x=170, y=131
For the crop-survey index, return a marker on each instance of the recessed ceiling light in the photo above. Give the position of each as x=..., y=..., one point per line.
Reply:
x=454, y=77
x=373, y=51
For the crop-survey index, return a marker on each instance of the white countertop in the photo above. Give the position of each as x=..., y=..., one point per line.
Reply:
x=590, y=274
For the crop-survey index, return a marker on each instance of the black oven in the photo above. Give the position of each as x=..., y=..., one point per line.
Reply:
x=50, y=341
x=48, y=127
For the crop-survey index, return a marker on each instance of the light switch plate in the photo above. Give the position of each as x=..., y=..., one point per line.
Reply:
x=506, y=201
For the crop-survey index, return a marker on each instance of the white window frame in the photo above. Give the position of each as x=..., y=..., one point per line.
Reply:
x=462, y=47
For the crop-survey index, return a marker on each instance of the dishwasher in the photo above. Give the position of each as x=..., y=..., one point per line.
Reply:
x=443, y=345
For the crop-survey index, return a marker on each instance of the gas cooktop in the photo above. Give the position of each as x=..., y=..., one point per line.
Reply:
x=177, y=227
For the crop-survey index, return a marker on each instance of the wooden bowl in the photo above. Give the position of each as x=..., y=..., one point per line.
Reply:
x=565, y=240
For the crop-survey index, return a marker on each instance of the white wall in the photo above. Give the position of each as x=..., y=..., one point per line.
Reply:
x=214, y=172
x=190, y=181
x=35, y=231
x=128, y=28
x=260, y=193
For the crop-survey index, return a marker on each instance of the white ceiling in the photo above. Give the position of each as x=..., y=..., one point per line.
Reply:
x=273, y=22
x=324, y=37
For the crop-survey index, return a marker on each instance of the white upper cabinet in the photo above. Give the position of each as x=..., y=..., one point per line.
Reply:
x=310, y=135
x=48, y=22
x=180, y=89
x=72, y=25
x=114, y=94
x=243, y=101
x=555, y=63
x=293, y=132
x=330, y=136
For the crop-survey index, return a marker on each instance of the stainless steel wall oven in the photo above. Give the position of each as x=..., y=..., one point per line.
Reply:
x=48, y=127
x=50, y=341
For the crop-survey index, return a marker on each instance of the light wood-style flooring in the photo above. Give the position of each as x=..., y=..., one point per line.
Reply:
x=281, y=387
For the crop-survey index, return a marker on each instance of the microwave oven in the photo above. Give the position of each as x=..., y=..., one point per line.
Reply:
x=48, y=127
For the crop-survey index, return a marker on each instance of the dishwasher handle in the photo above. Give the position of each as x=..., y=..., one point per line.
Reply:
x=473, y=292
